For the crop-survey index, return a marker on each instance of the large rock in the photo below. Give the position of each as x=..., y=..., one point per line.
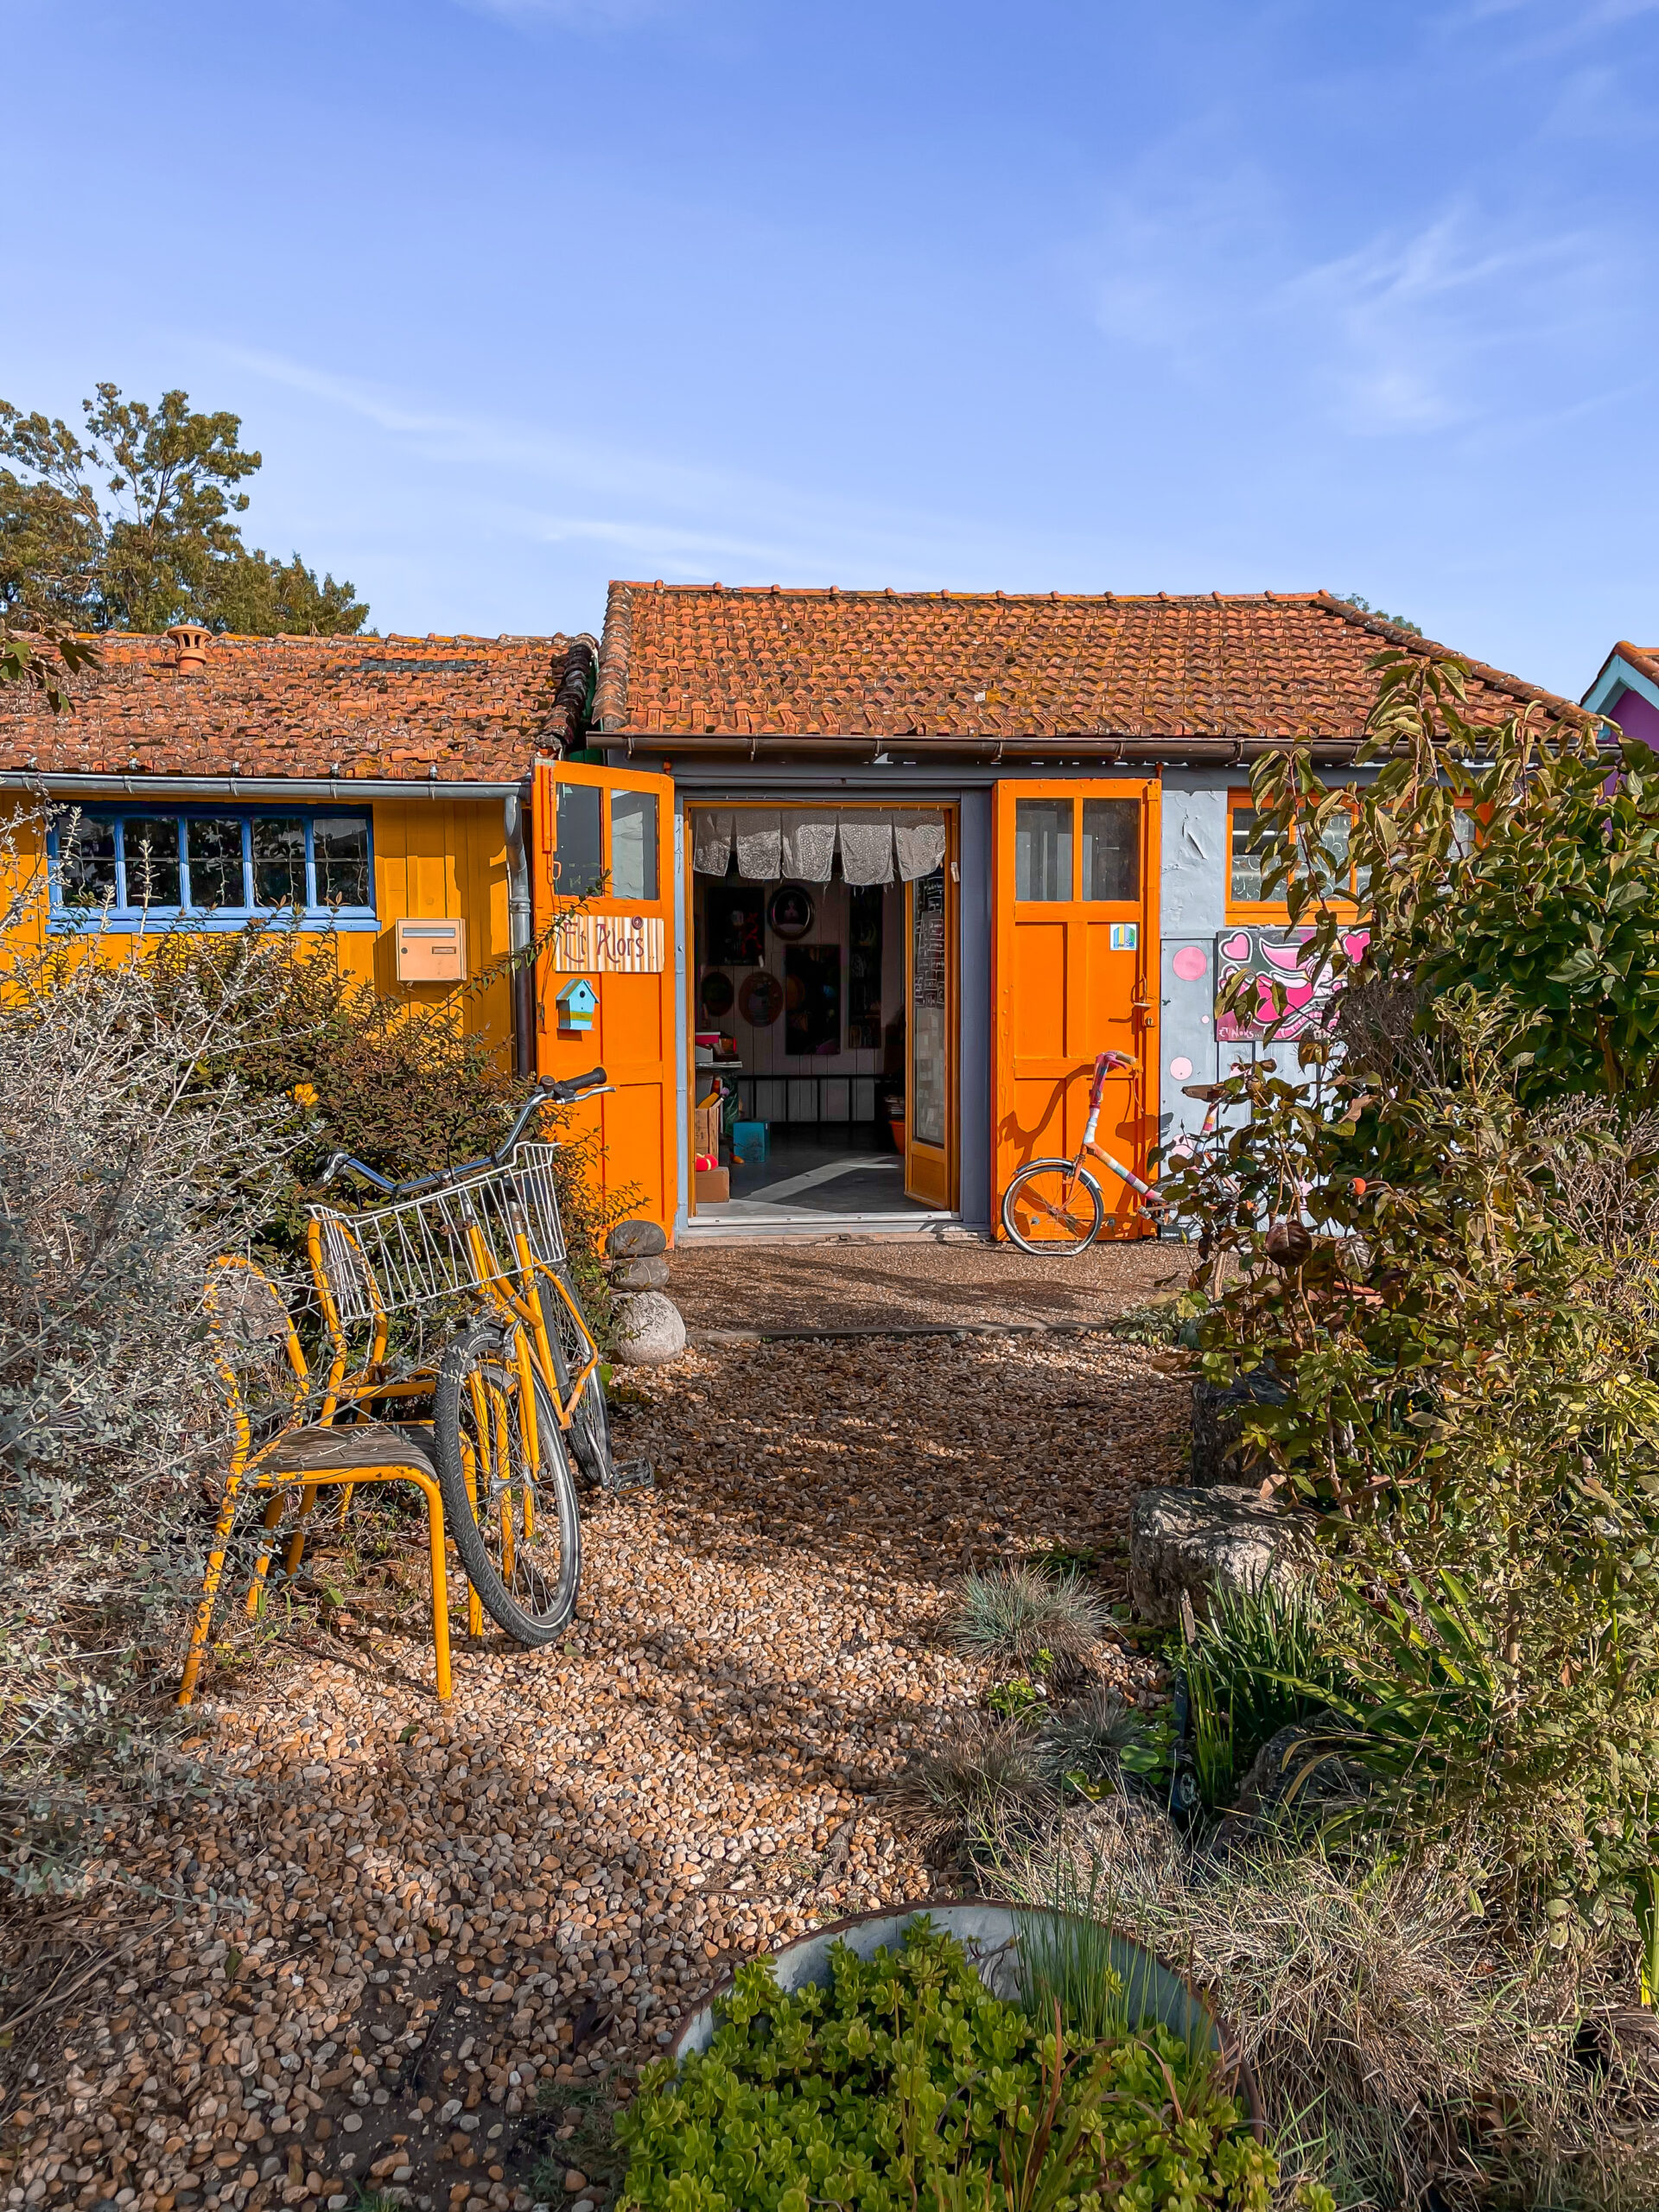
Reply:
x=1205, y=1540
x=1218, y=1418
x=649, y=1274
x=637, y=1240
x=646, y=1329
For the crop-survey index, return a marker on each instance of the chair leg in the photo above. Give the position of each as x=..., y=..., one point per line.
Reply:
x=435, y=1540
x=297, y=1541
x=262, y=1565
x=210, y=1582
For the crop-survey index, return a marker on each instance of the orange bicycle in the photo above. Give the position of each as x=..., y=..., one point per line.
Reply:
x=1055, y=1205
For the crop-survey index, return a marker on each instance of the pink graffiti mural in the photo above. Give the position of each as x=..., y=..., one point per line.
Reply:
x=1275, y=957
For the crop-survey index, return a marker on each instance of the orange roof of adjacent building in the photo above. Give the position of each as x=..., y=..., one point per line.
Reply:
x=696, y=660
x=463, y=709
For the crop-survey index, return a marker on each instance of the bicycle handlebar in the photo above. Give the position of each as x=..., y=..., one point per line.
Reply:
x=548, y=1090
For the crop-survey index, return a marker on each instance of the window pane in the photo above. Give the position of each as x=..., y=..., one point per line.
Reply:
x=214, y=847
x=87, y=862
x=633, y=845
x=1247, y=864
x=1111, y=848
x=151, y=846
x=930, y=1048
x=1042, y=848
x=577, y=868
x=341, y=851
x=278, y=862
x=1334, y=873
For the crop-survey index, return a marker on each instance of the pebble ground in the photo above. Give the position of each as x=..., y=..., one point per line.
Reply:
x=374, y=1946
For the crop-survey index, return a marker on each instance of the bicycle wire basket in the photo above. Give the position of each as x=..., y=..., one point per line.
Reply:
x=417, y=1251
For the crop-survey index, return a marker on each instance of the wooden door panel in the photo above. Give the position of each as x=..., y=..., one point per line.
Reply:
x=623, y=947
x=1064, y=991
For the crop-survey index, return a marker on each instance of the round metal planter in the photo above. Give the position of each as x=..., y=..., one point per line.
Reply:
x=989, y=1933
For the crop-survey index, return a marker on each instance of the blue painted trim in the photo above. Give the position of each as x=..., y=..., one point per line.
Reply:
x=156, y=921
x=1615, y=679
x=117, y=922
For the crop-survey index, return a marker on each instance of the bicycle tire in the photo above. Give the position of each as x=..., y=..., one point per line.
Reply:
x=518, y=1530
x=1058, y=1246
x=589, y=1432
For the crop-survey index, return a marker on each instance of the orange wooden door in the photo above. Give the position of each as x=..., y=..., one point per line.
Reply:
x=1075, y=931
x=604, y=874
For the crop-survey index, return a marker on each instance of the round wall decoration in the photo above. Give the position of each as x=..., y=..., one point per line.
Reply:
x=716, y=994
x=792, y=912
x=760, y=999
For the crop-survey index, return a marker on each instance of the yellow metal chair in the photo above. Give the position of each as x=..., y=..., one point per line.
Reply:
x=252, y=1330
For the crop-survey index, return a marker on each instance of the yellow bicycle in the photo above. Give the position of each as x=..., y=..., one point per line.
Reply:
x=516, y=1393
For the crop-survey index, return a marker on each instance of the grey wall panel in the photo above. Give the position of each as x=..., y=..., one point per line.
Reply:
x=1193, y=910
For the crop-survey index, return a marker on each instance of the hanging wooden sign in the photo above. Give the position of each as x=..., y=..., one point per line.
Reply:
x=607, y=944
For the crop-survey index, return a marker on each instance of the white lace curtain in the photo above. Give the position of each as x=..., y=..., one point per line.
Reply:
x=800, y=843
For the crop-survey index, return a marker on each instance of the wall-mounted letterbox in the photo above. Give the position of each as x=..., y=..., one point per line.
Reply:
x=431, y=952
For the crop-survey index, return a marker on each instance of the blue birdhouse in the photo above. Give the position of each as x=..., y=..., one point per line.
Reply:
x=577, y=1003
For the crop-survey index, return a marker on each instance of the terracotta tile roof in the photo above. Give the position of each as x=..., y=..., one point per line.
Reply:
x=692, y=660
x=469, y=709
x=1645, y=659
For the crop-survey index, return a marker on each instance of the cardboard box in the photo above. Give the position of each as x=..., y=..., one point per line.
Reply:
x=713, y=1185
x=707, y=1132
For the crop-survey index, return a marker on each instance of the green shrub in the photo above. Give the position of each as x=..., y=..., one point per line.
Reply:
x=906, y=2084
x=1089, y=1739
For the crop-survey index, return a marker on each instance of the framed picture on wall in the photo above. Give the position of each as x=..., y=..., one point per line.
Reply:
x=792, y=911
x=812, y=998
x=737, y=937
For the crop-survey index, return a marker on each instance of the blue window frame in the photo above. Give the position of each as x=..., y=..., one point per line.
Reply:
x=213, y=868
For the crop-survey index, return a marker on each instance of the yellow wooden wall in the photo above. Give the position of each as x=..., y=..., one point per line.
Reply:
x=433, y=858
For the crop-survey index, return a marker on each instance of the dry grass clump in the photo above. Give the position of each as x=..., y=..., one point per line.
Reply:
x=988, y=1780
x=1022, y=1616
x=1409, y=2060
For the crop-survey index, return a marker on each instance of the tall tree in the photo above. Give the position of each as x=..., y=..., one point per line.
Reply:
x=130, y=524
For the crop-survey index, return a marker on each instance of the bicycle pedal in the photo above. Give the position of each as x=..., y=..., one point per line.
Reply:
x=638, y=1474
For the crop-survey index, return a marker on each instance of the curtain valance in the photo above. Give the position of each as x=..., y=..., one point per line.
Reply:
x=799, y=844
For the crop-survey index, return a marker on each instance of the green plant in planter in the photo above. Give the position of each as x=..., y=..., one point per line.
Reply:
x=906, y=2084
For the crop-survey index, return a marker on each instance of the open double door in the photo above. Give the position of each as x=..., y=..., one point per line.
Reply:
x=1075, y=939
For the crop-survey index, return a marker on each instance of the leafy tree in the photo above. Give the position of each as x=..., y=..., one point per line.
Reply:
x=130, y=524
x=29, y=647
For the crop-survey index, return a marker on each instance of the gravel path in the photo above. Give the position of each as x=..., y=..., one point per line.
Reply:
x=368, y=1931
x=867, y=1282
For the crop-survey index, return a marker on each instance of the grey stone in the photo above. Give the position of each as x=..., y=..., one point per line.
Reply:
x=1217, y=1417
x=647, y=1330
x=648, y=1273
x=1300, y=1769
x=636, y=1240
x=1204, y=1540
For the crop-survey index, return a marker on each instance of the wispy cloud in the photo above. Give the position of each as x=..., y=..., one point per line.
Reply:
x=569, y=15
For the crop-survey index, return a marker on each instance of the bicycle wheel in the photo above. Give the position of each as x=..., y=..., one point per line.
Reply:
x=1046, y=1210
x=589, y=1432
x=514, y=1521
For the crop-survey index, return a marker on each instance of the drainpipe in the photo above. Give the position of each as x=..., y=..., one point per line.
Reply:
x=519, y=933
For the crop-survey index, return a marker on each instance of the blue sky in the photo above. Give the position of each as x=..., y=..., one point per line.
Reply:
x=516, y=295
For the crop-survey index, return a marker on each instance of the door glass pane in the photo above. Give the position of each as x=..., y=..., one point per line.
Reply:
x=1246, y=878
x=151, y=846
x=577, y=866
x=341, y=849
x=1111, y=848
x=278, y=862
x=929, y=1050
x=214, y=846
x=87, y=862
x=633, y=845
x=1042, y=848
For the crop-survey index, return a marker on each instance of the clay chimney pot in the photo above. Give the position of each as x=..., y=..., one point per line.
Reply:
x=191, y=642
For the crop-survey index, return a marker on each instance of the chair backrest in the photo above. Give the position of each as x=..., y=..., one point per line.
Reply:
x=260, y=1356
